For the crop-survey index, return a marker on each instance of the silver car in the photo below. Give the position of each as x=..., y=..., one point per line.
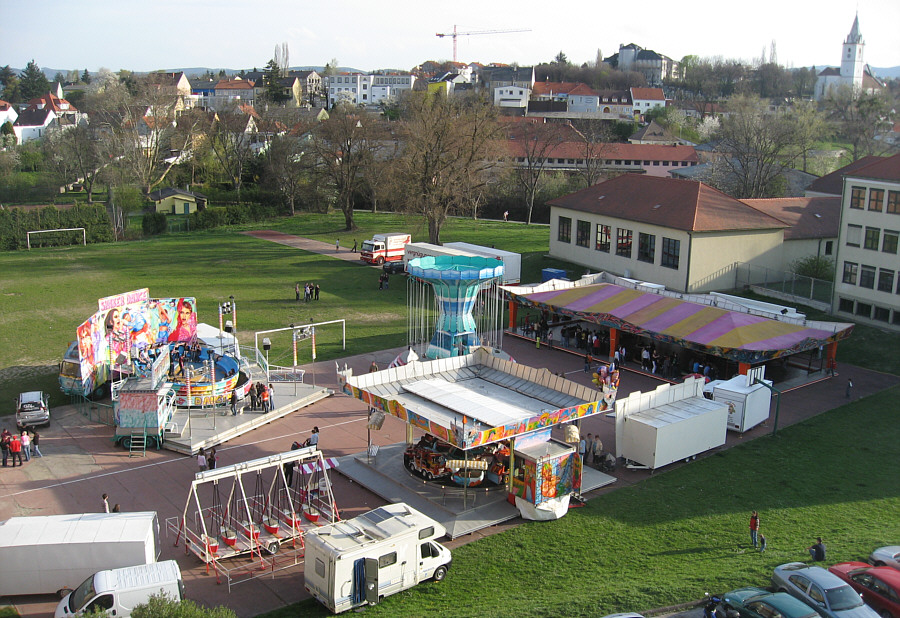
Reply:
x=825, y=592
x=32, y=409
x=886, y=556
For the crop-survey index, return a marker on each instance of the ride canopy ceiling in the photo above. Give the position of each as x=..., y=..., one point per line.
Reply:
x=737, y=336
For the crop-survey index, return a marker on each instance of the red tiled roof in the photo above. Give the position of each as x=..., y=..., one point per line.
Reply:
x=883, y=169
x=668, y=202
x=833, y=183
x=234, y=84
x=50, y=101
x=644, y=94
x=808, y=217
x=625, y=152
x=548, y=88
x=583, y=90
x=4, y=106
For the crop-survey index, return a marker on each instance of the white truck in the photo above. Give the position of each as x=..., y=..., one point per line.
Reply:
x=383, y=248
x=55, y=553
x=748, y=404
x=118, y=591
x=359, y=561
x=512, y=262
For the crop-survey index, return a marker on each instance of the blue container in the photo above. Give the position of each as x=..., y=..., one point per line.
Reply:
x=553, y=273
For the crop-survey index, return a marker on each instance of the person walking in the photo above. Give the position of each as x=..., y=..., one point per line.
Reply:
x=337, y=245
x=387, y=282
x=271, y=391
x=15, y=449
x=264, y=395
x=588, y=361
x=754, y=528
x=762, y=542
x=817, y=550
x=354, y=246
x=506, y=215
x=313, y=439
x=105, y=503
x=212, y=458
x=202, y=463
x=849, y=387
x=26, y=444
x=381, y=281
x=35, y=440
x=233, y=403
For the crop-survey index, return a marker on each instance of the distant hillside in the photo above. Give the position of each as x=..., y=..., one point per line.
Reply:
x=886, y=73
x=51, y=73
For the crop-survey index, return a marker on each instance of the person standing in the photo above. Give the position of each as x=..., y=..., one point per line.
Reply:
x=4, y=445
x=264, y=395
x=817, y=551
x=597, y=450
x=233, y=403
x=212, y=458
x=832, y=367
x=373, y=367
x=589, y=449
x=313, y=439
x=254, y=398
x=387, y=282
x=201, y=460
x=381, y=281
x=297, y=291
x=15, y=449
x=337, y=245
x=317, y=292
x=35, y=440
x=754, y=528
x=588, y=361
x=506, y=215
x=271, y=391
x=105, y=503
x=26, y=444
x=762, y=543
x=582, y=447
x=849, y=387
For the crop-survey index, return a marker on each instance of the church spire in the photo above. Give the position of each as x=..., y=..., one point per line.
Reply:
x=854, y=37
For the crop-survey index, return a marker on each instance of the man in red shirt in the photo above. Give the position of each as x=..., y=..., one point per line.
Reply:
x=15, y=449
x=754, y=528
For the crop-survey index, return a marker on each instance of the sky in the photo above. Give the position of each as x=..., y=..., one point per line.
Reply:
x=235, y=34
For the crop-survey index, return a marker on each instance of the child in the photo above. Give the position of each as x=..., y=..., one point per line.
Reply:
x=762, y=543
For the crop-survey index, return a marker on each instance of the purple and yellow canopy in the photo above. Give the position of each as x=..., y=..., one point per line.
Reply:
x=730, y=334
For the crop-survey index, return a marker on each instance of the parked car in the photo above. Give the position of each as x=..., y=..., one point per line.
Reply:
x=826, y=592
x=758, y=603
x=32, y=409
x=393, y=268
x=886, y=556
x=879, y=586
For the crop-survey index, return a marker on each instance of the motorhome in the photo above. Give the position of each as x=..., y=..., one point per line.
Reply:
x=55, y=553
x=362, y=560
x=119, y=591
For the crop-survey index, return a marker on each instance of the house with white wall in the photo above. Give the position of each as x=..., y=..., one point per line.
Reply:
x=645, y=99
x=33, y=124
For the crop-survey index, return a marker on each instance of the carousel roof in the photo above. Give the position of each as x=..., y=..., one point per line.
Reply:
x=740, y=336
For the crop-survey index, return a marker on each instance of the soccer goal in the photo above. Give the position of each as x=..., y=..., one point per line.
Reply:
x=65, y=229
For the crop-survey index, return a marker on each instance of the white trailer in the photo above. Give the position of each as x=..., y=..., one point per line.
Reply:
x=362, y=560
x=424, y=249
x=512, y=262
x=672, y=423
x=55, y=553
x=748, y=405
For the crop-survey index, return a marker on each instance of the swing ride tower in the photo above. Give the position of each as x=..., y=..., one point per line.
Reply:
x=260, y=509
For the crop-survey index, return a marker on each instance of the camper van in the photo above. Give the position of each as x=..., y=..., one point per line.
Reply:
x=118, y=591
x=364, y=559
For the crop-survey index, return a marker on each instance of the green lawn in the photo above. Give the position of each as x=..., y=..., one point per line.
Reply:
x=684, y=532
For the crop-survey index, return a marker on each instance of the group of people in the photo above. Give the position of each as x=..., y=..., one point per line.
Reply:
x=207, y=460
x=106, y=509
x=15, y=446
x=590, y=449
x=262, y=397
x=310, y=292
x=758, y=540
x=384, y=282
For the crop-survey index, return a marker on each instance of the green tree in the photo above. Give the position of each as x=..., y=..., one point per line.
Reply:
x=6, y=74
x=275, y=92
x=561, y=58
x=815, y=266
x=33, y=83
x=86, y=77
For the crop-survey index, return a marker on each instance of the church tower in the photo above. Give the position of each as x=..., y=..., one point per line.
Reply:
x=852, y=64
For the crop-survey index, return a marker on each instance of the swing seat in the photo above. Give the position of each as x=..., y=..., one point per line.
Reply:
x=292, y=521
x=252, y=532
x=212, y=545
x=229, y=537
x=271, y=525
x=311, y=513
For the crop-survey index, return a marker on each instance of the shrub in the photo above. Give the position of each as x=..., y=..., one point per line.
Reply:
x=154, y=223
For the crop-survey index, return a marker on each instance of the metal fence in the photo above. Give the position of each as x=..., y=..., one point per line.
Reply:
x=785, y=285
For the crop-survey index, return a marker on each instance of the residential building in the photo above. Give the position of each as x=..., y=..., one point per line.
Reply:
x=8, y=113
x=645, y=99
x=512, y=97
x=646, y=159
x=33, y=124
x=571, y=100
x=867, y=285
x=853, y=72
x=813, y=221
x=310, y=86
x=498, y=77
x=654, y=133
x=174, y=84
x=231, y=92
x=175, y=201
x=655, y=68
x=678, y=233
x=388, y=86
x=832, y=185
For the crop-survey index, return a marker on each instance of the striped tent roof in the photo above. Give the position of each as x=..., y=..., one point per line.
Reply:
x=741, y=337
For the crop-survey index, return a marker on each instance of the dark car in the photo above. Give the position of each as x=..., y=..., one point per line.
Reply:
x=759, y=603
x=393, y=268
x=879, y=586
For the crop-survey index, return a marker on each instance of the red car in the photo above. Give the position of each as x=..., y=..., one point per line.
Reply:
x=878, y=586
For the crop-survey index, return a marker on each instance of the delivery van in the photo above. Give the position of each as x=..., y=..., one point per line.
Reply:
x=118, y=591
x=383, y=248
x=362, y=560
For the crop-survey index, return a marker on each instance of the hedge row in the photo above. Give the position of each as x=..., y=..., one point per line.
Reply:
x=215, y=216
x=15, y=222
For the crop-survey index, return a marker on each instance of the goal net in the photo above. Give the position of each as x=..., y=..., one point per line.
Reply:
x=60, y=236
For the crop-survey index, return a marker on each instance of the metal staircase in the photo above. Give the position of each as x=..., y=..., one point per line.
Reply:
x=138, y=445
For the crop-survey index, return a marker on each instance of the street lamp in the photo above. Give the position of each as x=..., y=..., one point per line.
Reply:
x=267, y=345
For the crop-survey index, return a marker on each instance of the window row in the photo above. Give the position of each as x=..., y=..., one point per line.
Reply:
x=874, y=201
x=865, y=277
x=611, y=162
x=872, y=238
x=868, y=310
x=671, y=248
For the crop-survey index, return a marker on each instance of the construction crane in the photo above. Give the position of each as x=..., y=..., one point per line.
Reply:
x=455, y=34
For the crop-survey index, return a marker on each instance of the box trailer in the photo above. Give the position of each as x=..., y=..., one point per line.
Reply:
x=359, y=561
x=512, y=262
x=383, y=248
x=748, y=405
x=424, y=249
x=119, y=591
x=55, y=553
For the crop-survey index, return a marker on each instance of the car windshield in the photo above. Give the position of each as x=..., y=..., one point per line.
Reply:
x=82, y=594
x=843, y=597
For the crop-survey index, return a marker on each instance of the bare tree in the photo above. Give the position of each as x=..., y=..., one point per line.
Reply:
x=859, y=117
x=75, y=154
x=531, y=146
x=595, y=142
x=450, y=148
x=232, y=138
x=344, y=148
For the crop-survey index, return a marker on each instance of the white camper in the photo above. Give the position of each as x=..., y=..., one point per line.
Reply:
x=359, y=561
x=55, y=553
x=118, y=591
